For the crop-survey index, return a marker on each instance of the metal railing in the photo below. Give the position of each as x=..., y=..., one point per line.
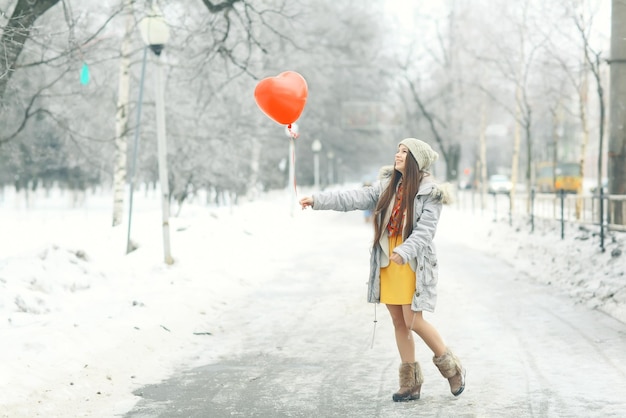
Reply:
x=559, y=207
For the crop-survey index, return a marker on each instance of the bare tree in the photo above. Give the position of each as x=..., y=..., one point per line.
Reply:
x=122, y=115
x=439, y=103
x=48, y=63
x=593, y=63
x=516, y=65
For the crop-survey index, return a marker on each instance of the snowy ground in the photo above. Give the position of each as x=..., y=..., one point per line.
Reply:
x=82, y=324
x=574, y=264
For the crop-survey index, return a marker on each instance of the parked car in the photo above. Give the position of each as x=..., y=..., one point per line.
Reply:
x=605, y=187
x=499, y=183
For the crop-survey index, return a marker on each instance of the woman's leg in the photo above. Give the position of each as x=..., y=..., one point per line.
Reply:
x=447, y=363
x=404, y=337
x=415, y=321
x=410, y=373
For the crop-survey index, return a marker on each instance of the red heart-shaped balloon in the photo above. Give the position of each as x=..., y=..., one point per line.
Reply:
x=283, y=97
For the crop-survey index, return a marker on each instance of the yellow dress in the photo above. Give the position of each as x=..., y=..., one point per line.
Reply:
x=397, y=282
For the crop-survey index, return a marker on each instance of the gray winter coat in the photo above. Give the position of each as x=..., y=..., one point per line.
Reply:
x=418, y=249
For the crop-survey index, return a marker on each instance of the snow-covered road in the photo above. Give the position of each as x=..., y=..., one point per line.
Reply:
x=300, y=345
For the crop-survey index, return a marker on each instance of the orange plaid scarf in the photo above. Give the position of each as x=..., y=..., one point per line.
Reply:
x=394, y=227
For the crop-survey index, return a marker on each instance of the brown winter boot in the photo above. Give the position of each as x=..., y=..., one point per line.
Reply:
x=450, y=368
x=411, y=380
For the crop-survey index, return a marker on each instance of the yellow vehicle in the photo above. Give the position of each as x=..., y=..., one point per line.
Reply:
x=563, y=176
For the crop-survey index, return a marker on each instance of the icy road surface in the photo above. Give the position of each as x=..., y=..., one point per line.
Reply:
x=301, y=345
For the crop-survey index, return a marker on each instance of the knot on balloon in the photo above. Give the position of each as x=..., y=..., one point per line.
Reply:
x=292, y=134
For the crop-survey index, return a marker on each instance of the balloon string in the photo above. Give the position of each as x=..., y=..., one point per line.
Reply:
x=293, y=162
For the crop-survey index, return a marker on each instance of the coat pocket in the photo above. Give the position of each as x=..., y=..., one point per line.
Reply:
x=429, y=269
x=426, y=287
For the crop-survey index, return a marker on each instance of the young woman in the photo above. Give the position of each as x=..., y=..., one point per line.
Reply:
x=406, y=205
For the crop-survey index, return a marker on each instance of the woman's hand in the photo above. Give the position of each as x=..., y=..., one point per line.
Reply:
x=305, y=202
x=395, y=257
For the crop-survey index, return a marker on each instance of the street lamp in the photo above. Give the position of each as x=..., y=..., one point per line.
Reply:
x=337, y=171
x=155, y=33
x=316, y=147
x=331, y=156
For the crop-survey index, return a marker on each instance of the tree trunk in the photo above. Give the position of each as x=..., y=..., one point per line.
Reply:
x=616, y=168
x=516, y=148
x=121, y=119
x=582, y=103
x=16, y=33
x=529, y=153
x=483, y=156
x=519, y=80
x=255, y=163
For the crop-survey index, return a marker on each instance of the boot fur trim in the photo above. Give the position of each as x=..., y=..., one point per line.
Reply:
x=407, y=375
x=448, y=365
x=450, y=368
x=419, y=377
x=411, y=379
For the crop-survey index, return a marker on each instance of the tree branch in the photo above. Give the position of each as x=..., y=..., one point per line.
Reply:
x=218, y=7
x=16, y=33
x=28, y=113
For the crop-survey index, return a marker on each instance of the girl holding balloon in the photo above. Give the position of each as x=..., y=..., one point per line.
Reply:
x=406, y=205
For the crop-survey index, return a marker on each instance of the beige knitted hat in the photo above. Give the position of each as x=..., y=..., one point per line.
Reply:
x=421, y=151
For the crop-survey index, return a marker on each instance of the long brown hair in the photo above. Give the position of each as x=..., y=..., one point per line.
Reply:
x=412, y=179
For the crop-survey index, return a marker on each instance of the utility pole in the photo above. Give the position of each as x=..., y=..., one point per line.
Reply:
x=616, y=167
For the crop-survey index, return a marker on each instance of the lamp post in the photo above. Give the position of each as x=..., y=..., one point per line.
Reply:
x=331, y=156
x=155, y=33
x=316, y=147
x=338, y=175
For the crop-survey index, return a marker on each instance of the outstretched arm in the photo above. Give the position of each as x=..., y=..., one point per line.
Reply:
x=344, y=200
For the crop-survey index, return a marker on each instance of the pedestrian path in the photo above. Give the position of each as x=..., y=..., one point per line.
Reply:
x=305, y=344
